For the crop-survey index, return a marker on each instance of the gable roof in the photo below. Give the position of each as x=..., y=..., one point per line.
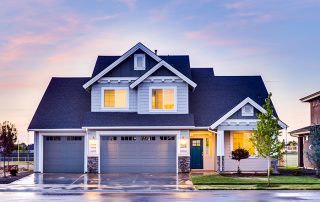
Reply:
x=156, y=67
x=119, y=60
x=238, y=107
x=310, y=97
x=216, y=96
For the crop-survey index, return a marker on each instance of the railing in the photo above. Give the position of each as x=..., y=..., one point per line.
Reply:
x=16, y=159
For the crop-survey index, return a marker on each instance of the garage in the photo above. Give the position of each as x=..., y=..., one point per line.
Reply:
x=63, y=154
x=136, y=154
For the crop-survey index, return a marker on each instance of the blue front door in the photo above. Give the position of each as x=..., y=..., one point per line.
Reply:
x=196, y=153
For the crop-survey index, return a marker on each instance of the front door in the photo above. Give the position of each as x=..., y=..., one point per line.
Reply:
x=196, y=153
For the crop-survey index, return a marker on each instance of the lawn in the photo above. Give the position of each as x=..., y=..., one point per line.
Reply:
x=204, y=182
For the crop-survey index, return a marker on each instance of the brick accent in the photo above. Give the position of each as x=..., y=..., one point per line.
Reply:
x=92, y=164
x=184, y=164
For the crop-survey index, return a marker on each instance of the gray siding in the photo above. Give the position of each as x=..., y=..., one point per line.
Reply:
x=238, y=114
x=250, y=164
x=182, y=97
x=96, y=96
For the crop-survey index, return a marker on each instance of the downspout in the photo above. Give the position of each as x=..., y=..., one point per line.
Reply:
x=220, y=158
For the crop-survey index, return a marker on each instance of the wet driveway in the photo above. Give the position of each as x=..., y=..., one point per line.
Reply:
x=102, y=182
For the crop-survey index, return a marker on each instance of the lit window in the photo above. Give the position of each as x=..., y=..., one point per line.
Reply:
x=242, y=140
x=139, y=62
x=115, y=98
x=163, y=99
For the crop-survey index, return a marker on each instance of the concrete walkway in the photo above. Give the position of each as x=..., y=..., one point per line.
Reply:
x=111, y=182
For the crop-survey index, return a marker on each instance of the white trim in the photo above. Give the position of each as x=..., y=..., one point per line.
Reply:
x=98, y=149
x=121, y=59
x=310, y=97
x=299, y=133
x=117, y=79
x=162, y=88
x=238, y=107
x=156, y=67
x=136, y=61
x=139, y=127
x=58, y=130
x=103, y=108
x=85, y=169
x=231, y=142
x=137, y=133
x=220, y=143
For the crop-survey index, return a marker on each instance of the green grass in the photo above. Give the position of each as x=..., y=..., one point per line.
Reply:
x=289, y=168
x=254, y=182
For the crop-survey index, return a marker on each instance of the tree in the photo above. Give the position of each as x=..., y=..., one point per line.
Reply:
x=266, y=137
x=8, y=136
x=314, y=153
x=238, y=155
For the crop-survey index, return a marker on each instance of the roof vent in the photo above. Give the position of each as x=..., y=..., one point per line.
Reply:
x=156, y=52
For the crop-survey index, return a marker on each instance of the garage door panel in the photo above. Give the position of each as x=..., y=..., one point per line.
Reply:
x=65, y=154
x=147, y=154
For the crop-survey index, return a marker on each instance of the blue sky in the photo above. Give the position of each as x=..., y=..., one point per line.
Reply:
x=279, y=40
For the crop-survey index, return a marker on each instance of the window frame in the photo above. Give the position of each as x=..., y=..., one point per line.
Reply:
x=162, y=88
x=114, y=108
x=244, y=113
x=136, y=61
x=231, y=143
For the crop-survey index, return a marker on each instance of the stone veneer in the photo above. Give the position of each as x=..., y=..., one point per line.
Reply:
x=184, y=164
x=92, y=165
x=218, y=163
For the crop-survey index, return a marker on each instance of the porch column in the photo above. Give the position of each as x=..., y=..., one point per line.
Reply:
x=92, y=153
x=220, y=150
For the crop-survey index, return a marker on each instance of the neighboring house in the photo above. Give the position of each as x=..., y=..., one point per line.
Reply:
x=303, y=133
x=143, y=112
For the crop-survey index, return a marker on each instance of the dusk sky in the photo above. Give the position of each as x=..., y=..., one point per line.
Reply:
x=279, y=40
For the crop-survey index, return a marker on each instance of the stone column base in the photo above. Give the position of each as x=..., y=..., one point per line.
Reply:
x=184, y=164
x=93, y=164
x=220, y=159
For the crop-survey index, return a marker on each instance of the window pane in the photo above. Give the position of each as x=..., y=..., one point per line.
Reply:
x=157, y=99
x=168, y=98
x=238, y=141
x=248, y=144
x=120, y=98
x=109, y=98
x=139, y=61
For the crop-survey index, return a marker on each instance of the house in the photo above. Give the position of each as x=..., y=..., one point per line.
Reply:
x=143, y=112
x=303, y=133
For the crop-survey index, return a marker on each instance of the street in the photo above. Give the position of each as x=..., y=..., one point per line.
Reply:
x=163, y=196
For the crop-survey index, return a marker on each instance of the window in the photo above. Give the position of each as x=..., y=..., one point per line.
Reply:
x=148, y=138
x=247, y=110
x=115, y=98
x=109, y=138
x=139, y=62
x=74, y=138
x=128, y=138
x=53, y=138
x=167, y=138
x=196, y=143
x=242, y=140
x=163, y=99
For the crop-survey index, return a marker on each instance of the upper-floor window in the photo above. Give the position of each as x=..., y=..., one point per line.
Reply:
x=115, y=98
x=247, y=110
x=163, y=99
x=139, y=62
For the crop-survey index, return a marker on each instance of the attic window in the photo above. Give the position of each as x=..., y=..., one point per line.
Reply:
x=139, y=62
x=247, y=110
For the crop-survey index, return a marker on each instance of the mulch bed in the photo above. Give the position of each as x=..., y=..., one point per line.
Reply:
x=8, y=179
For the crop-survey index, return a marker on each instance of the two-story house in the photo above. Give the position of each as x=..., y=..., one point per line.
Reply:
x=303, y=133
x=143, y=112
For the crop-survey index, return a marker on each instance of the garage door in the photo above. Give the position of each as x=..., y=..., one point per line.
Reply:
x=63, y=154
x=135, y=154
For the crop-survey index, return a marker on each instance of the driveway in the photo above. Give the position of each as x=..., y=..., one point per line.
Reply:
x=102, y=182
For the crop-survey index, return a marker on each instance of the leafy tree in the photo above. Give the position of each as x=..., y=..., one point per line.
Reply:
x=314, y=153
x=8, y=136
x=266, y=137
x=238, y=155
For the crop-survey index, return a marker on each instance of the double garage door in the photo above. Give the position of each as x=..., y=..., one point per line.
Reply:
x=118, y=154
x=135, y=154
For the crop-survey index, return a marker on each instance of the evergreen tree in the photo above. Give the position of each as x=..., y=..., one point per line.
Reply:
x=314, y=153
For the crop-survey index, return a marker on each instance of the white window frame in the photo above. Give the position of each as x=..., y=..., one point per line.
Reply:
x=162, y=110
x=136, y=62
x=114, y=108
x=231, y=143
x=244, y=113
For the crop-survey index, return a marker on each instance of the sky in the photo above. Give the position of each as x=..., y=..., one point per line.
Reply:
x=279, y=40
